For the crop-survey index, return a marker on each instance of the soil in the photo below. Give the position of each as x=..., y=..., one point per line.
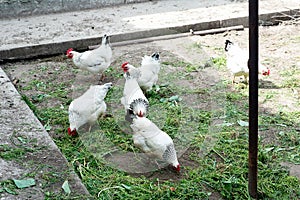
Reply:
x=279, y=50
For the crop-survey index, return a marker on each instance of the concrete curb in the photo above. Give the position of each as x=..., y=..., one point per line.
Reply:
x=18, y=121
x=51, y=49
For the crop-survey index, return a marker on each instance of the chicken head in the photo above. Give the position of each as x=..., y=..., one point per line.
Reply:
x=69, y=53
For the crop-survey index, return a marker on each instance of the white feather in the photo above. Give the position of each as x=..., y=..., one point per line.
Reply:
x=153, y=141
x=237, y=62
x=131, y=92
x=88, y=107
x=96, y=60
x=147, y=73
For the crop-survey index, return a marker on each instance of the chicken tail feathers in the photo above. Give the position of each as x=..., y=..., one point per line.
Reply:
x=129, y=116
x=227, y=43
x=105, y=39
x=108, y=85
x=139, y=101
x=155, y=56
x=170, y=154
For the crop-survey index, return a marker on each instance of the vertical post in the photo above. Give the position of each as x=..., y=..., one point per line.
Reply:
x=253, y=97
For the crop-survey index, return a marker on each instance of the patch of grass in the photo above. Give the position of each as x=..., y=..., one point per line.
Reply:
x=31, y=105
x=8, y=186
x=196, y=46
x=268, y=187
x=20, y=146
x=192, y=68
x=268, y=96
x=10, y=153
x=291, y=82
x=225, y=169
x=176, y=63
x=114, y=71
x=185, y=66
x=291, y=77
x=287, y=134
x=220, y=62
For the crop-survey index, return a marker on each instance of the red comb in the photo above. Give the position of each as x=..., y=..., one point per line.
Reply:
x=178, y=168
x=72, y=133
x=124, y=64
x=69, y=50
x=266, y=73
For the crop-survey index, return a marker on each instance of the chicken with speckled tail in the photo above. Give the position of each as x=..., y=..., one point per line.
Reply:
x=133, y=100
x=154, y=142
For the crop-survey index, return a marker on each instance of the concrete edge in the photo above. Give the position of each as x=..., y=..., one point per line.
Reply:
x=43, y=136
x=51, y=49
x=174, y=36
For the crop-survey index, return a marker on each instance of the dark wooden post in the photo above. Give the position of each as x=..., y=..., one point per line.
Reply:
x=253, y=97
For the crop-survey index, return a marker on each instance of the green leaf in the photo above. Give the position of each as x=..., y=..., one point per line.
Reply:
x=162, y=100
x=225, y=124
x=164, y=85
x=157, y=88
x=266, y=150
x=47, y=127
x=126, y=186
x=65, y=186
x=175, y=98
x=24, y=183
x=243, y=123
x=22, y=140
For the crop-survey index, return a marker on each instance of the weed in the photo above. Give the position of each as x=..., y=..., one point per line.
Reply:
x=10, y=153
x=291, y=77
x=8, y=186
x=220, y=62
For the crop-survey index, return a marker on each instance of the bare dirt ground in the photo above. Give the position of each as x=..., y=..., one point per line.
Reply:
x=279, y=50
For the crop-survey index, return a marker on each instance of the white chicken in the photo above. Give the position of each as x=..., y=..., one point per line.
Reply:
x=134, y=100
x=147, y=73
x=88, y=107
x=154, y=142
x=237, y=61
x=96, y=60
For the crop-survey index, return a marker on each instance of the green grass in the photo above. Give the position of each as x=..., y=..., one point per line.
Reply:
x=8, y=186
x=291, y=77
x=219, y=62
x=223, y=169
x=20, y=146
x=9, y=153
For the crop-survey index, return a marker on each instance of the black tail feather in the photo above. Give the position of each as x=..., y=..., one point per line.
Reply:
x=106, y=38
x=227, y=42
x=155, y=56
